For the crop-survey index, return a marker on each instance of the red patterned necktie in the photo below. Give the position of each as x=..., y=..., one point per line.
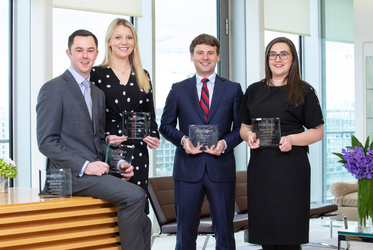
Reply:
x=205, y=99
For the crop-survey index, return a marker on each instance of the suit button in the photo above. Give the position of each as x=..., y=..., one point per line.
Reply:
x=95, y=137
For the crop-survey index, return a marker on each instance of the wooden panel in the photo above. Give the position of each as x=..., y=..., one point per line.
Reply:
x=28, y=222
x=53, y=225
x=47, y=214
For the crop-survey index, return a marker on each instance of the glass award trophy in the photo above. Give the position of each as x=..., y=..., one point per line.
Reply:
x=116, y=153
x=57, y=183
x=136, y=125
x=207, y=135
x=267, y=130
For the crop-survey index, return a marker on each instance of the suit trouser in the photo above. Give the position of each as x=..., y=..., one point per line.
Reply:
x=133, y=224
x=189, y=197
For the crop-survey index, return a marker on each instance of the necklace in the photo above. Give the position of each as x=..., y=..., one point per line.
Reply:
x=120, y=70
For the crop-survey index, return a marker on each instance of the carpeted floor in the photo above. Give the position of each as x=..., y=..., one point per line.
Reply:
x=319, y=232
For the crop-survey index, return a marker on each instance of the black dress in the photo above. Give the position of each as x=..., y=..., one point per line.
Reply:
x=130, y=98
x=278, y=183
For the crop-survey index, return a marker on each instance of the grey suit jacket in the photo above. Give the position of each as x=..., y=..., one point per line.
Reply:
x=65, y=133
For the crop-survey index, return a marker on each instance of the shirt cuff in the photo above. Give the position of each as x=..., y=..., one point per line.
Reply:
x=181, y=142
x=225, y=148
x=118, y=164
x=83, y=169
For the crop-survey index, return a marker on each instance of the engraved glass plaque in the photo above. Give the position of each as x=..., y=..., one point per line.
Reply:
x=57, y=183
x=136, y=125
x=267, y=130
x=115, y=153
x=207, y=135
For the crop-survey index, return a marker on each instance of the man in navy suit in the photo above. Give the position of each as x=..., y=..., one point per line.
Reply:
x=70, y=132
x=211, y=172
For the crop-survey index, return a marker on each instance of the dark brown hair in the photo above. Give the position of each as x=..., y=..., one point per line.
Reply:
x=80, y=33
x=294, y=89
x=205, y=39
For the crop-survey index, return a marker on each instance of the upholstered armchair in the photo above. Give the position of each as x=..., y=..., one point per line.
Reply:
x=345, y=196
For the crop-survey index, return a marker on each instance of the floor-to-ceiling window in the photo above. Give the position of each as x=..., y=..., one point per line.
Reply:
x=340, y=109
x=5, y=93
x=66, y=21
x=177, y=23
x=338, y=88
x=270, y=35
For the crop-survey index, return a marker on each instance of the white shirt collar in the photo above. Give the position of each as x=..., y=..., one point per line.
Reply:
x=211, y=78
x=78, y=77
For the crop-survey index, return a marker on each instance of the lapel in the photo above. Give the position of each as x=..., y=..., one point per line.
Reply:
x=219, y=88
x=74, y=89
x=192, y=92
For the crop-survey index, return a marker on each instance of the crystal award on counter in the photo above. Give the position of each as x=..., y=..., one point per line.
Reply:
x=207, y=135
x=267, y=130
x=57, y=183
x=136, y=125
x=116, y=153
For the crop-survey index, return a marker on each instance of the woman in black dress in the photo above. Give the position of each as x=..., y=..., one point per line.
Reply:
x=127, y=88
x=279, y=176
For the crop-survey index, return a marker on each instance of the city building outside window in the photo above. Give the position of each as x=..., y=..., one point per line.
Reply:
x=339, y=110
x=5, y=93
x=173, y=37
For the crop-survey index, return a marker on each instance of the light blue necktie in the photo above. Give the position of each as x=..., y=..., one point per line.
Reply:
x=87, y=96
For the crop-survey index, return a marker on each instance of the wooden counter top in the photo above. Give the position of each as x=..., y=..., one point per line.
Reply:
x=20, y=195
x=30, y=222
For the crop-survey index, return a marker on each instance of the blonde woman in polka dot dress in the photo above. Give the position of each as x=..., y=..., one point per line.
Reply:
x=127, y=87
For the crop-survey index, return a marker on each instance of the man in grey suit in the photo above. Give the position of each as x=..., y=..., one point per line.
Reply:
x=70, y=133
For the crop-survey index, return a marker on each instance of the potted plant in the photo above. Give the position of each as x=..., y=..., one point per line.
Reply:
x=358, y=160
x=8, y=169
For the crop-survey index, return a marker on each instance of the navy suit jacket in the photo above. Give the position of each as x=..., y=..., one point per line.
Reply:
x=182, y=107
x=65, y=132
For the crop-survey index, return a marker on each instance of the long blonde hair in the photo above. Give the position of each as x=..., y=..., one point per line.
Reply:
x=134, y=57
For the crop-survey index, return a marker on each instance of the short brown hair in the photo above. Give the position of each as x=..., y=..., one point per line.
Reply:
x=205, y=39
x=80, y=33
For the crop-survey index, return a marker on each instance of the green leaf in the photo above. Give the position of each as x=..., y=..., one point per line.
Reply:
x=370, y=205
x=7, y=170
x=355, y=142
x=340, y=156
x=365, y=199
x=366, y=145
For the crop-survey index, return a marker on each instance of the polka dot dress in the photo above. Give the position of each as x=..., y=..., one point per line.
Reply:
x=127, y=97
